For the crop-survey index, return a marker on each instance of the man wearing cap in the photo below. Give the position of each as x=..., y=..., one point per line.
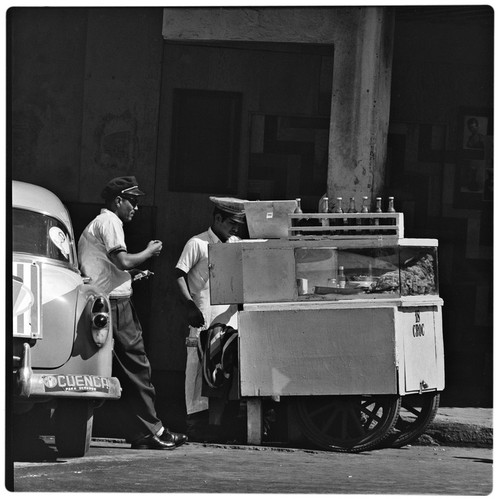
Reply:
x=192, y=277
x=104, y=257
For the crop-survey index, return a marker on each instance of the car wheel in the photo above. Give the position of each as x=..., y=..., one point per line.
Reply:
x=73, y=427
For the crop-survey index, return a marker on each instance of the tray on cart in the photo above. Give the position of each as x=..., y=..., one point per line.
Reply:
x=326, y=290
x=361, y=283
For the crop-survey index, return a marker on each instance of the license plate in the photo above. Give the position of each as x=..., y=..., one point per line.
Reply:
x=75, y=383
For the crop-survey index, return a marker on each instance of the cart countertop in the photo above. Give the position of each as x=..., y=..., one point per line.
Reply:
x=404, y=301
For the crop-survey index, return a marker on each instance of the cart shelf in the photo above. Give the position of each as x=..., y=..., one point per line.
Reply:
x=342, y=225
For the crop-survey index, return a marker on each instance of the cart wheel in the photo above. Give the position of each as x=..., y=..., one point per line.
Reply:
x=416, y=414
x=347, y=423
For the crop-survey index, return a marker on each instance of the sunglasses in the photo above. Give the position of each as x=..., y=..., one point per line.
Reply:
x=132, y=200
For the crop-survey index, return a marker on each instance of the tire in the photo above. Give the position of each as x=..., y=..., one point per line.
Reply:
x=345, y=423
x=416, y=414
x=73, y=427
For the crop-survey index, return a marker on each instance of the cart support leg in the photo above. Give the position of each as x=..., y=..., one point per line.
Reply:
x=215, y=410
x=254, y=420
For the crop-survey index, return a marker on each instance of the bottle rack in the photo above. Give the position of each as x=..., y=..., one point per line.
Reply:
x=345, y=225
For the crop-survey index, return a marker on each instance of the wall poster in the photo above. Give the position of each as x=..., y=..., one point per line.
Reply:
x=474, y=179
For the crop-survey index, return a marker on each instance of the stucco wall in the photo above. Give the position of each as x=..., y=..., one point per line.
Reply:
x=85, y=97
x=290, y=25
x=47, y=68
x=121, y=98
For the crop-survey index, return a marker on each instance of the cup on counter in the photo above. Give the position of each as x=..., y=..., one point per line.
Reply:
x=302, y=286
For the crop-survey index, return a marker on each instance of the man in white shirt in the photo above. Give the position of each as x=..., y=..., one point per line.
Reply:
x=104, y=257
x=192, y=277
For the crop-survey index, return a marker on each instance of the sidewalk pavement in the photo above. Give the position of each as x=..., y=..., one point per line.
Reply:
x=452, y=426
x=460, y=426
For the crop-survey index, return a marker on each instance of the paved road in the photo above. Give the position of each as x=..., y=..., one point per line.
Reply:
x=194, y=467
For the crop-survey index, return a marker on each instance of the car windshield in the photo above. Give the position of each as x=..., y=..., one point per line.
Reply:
x=41, y=235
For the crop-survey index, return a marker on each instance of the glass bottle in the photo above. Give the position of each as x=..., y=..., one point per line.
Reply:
x=338, y=209
x=338, y=206
x=378, y=209
x=391, y=209
x=297, y=222
x=298, y=209
x=341, y=280
x=352, y=206
x=390, y=206
x=352, y=209
x=344, y=221
x=364, y=209
x=324, y=209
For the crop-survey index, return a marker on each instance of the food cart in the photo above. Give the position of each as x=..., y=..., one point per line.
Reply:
x=339, y=316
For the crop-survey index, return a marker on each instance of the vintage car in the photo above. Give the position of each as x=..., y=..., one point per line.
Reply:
x=61, y=327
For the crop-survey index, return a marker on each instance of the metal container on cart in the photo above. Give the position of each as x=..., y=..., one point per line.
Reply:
x=343, y=318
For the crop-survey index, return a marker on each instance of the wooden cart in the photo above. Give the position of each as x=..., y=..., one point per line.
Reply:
x=361, y=364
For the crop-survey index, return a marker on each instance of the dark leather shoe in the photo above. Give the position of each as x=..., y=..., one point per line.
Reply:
x=176, y=438
x=152, y=442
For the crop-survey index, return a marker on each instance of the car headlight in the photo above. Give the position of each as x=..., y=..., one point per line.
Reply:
x=101, y=323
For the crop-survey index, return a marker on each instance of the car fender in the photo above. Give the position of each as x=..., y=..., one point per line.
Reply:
x=85, y=346
x=60, y=289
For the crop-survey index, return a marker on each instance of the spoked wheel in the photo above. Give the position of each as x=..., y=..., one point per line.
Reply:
x=416, y=414
x=347, y=423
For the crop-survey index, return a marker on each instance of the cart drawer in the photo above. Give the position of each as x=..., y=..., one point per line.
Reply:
x=318, y=352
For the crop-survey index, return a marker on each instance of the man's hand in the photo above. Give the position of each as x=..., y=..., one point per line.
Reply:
x=134, y=272
x=128, y=261
x=194, y=316
x=154, y=247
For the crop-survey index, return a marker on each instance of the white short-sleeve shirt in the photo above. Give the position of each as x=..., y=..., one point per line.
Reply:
x=194, y=262
x=103, y=236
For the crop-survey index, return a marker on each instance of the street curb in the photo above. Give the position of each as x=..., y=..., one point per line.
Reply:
x=437, y=435
x=457, y=435
x=441, y=432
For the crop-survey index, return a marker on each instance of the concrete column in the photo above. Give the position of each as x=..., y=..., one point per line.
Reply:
x=360, y=106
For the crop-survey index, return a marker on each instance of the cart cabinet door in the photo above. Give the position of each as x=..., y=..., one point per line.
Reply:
x=240, y=274
x=420, y=332
x=317, y=352
x=226, y=273
x=268, y=275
